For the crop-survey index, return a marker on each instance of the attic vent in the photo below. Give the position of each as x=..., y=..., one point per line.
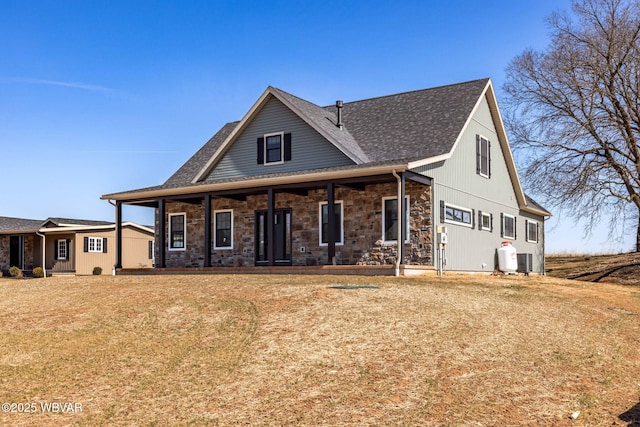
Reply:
x=339, y=107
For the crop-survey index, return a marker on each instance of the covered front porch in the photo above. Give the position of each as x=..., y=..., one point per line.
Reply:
x=332, y=226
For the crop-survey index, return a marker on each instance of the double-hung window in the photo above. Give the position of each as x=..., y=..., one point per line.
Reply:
x=486, y=221
x=273, y=148
x=324, y=223
x=508, y=226
x=532, y=231
x=483, y=156
x=62, y=250
x=390, y=219
x=177, y=231
x=223, y=229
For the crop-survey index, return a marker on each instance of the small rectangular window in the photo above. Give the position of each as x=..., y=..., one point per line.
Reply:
x=273, y=148
x=508, y=226
x=483, y=156
x=95, y=244
x=390, y=219
x=324, y=223
x=532, y=231
x=457, y=215
x=62, y=249
x=223, y=229
x=485, y=221
x=177, y=231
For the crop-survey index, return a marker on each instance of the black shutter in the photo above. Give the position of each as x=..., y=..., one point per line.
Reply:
x=68, y=250
x=473, y=219
x=478, y=149
x=287, y=147
x=261, y=151
x=489, y=155
x=526, y=229
x=104, y=245
x=480, y=223
x=150, y=249
x=537, y=232
x=86, y=244
x=491, y=216
x=501, y=224
x=442, y=211
x=515, y=228
x=55, y=249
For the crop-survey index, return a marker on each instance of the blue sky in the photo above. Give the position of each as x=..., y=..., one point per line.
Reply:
x=98, y=97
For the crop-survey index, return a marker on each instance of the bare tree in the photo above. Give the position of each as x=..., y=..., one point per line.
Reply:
x=573, y=113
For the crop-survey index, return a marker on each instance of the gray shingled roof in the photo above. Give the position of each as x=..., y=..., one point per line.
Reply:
x=397, y=128
x=19, y=224
x=71, y=221
x=412, y=125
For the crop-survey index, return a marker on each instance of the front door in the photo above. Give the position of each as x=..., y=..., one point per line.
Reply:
x=16, y=248
x=281, y=237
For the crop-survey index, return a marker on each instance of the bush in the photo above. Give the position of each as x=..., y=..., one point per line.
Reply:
x=97, y=271
x=15, y=272
x=38, y=272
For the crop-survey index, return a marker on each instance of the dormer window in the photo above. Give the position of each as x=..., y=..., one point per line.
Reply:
x=274, y=148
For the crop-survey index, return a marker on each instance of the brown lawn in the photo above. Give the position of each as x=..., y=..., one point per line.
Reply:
x=292, y=350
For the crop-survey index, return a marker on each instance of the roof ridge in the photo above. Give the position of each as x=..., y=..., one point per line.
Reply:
x=411, y=91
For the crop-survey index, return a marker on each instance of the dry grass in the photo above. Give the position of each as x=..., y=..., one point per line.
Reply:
x=292, y=350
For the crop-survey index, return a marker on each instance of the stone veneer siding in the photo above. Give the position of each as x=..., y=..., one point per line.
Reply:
x=362, y=225
x=28, y=255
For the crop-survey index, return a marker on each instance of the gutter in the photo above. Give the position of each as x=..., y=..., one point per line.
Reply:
x=44, y=253
x=400, y=228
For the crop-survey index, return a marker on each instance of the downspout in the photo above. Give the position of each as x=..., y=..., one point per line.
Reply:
x=400, y=220
x=44, y=253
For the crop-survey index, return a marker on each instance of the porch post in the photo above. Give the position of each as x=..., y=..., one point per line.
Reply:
x=162, y=242
x=402, y=225
x=118, y=235
x=207, y=230
x=331, y=223
x=271, y=247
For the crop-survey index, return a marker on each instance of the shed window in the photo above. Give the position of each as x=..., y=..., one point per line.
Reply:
x=95, y=244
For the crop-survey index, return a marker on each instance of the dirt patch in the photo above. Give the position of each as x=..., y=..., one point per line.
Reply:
x=623, y=269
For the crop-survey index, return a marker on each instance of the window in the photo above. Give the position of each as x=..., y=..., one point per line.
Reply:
x=486, y=221
x=274, y=148
x=390, y=219
x=457, y=215
x=62, y=252
x=95, y=244
x=532, y=231
x=483, y=156
x=223, y=229
x=508, y=226
x=177, y=231
x=324, y=223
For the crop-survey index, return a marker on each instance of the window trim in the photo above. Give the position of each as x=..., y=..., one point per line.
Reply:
x=215, y=229
x=484, y=215
x=504, y=226
x=62, y=243
x=482, y=138
x=266, y=152
x=95, y=244
x=408, y=219
x=184, y=232
x=460, y=208
x=528, y=223
x=320, y=205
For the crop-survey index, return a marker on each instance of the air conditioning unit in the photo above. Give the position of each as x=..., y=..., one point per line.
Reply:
x=525, y=263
